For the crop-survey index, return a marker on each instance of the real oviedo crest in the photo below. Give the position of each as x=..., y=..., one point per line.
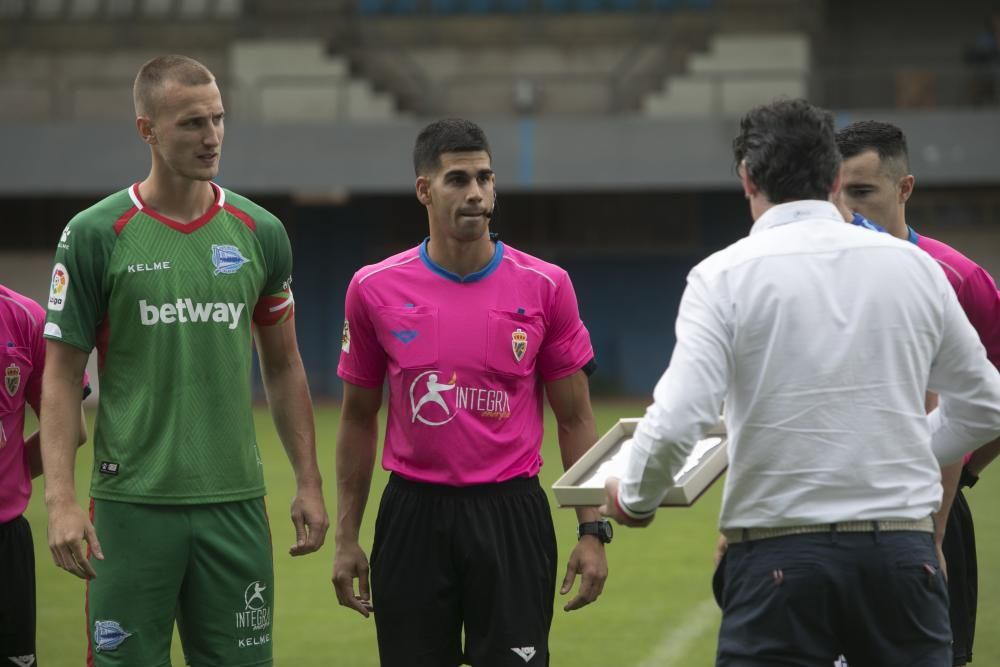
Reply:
x=12, y=379
x=519, y=343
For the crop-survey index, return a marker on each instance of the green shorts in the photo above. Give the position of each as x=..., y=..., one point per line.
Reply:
x=209, y=567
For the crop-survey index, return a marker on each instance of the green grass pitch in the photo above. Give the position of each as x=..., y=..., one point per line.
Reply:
x=656, y=608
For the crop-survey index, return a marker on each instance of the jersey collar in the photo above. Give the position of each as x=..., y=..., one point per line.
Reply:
x=186, y=228
x=912, y=236
x=472, y=277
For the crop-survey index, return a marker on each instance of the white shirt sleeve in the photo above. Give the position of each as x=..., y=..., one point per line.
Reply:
x=686, y=400
x=968, y=414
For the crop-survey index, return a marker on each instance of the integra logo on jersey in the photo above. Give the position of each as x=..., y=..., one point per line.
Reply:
x=184, y=311
x=227, y=259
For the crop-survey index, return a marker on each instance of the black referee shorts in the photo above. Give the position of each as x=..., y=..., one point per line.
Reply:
x=479, y=558
x=17, y=593
x=959, y=549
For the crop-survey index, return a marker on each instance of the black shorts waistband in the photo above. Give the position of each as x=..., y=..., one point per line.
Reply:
x=19, y=520
x=512, y=487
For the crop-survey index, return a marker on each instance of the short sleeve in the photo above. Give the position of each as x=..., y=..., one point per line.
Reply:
x=567, y=347
x=276, y=303
x=980, y=300
x=362, y=359
x=33, y=389
x=77, y=299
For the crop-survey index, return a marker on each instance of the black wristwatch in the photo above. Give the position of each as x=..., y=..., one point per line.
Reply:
x=599, y=529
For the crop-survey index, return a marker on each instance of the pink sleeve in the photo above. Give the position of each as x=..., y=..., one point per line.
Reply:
x=362, y=359
x=981, y=302
x=567, y=346
x=33, y=390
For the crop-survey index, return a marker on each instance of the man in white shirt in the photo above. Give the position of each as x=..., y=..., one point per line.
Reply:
x=823, y=339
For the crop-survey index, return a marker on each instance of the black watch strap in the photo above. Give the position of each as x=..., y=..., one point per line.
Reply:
x=599, y=529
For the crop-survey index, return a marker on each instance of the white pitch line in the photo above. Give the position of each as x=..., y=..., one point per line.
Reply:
x=675, y=645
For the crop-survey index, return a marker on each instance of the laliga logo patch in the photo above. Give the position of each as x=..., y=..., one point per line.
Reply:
x=345, y=338
x=109, y=635
x=57, y=290
x=519, y=343
x=12, y=379
x=227, y=259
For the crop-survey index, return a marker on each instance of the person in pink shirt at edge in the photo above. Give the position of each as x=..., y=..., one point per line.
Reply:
x=469, y=333
x=877, y=184
x=22, y=357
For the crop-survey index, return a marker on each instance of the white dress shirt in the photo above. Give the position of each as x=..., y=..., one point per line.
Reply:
x=823, y=339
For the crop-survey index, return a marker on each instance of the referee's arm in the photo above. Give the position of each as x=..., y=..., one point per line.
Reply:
x=357, y=438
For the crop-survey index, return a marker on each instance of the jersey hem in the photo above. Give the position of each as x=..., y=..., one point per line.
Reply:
x=259, y=492
x=361, y=382
x=73, y=343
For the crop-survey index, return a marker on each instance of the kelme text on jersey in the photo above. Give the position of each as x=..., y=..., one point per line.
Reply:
x=184, y=311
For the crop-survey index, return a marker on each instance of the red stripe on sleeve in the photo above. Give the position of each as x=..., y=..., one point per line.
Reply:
x=247, y=220
x=123, y=220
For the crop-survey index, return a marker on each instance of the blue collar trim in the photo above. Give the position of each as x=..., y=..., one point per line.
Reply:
x=912, y=236
x=472, y=277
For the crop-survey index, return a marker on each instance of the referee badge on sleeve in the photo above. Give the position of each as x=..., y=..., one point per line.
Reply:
x=519, y=343
x=345, y=338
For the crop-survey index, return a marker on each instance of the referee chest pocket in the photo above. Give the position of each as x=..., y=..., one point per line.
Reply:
x=512, y=342
x=408, y=335
x=16, y=367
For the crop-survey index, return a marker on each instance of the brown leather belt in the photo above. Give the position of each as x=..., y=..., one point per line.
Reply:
x=737, y=535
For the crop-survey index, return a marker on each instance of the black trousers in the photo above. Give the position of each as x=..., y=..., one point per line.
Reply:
x=17, y=600
x=959, y=549
x=480, y=559
x=802, y=600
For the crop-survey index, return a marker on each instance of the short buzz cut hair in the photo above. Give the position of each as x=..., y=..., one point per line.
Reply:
x=161, y=69
x=450, y=135
x=884, y=138
x=788, y=150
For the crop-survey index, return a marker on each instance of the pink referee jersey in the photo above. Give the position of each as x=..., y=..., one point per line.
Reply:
x=21, y=359
x=465, y=358
x=976, y=290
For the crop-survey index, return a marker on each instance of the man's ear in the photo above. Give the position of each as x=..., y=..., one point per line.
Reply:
x=144, y=126
x=423, y=189
x=906, y=188
x=749, y=187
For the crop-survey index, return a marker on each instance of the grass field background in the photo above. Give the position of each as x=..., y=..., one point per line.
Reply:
x=656, y=609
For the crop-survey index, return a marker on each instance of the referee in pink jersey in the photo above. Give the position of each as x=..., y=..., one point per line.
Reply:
x=22, y=357
x=470, y=333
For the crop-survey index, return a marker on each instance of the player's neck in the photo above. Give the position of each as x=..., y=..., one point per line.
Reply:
x=460, y=257
x=181, y=199
x=898, y=228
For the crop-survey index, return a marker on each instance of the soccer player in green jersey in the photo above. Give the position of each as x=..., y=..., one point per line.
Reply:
x=164, y=278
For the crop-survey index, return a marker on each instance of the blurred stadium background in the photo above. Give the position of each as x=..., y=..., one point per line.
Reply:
x=610, y=123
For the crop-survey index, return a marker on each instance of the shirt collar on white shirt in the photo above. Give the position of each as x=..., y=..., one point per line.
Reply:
x=794, y=211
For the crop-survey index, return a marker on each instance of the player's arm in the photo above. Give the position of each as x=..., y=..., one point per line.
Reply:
x=357, y=438
x=61, y=433
x=570, y=401
x=33, y=452
x=291, y=409
x=982, y=457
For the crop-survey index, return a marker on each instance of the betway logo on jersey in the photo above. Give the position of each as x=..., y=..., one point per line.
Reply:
x=183, y=311
x=436, y=403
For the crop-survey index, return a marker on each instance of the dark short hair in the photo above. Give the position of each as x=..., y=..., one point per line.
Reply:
x=161, y=69
x=872, y=135
x=788, y=150
x=450, y=135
